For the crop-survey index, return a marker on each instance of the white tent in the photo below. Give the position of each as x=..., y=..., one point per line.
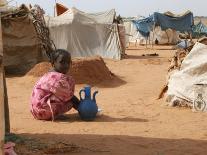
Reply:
x=191, y=79
x=86, y=34
x=132, y=35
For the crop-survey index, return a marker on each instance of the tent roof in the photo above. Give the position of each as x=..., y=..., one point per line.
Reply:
x=75, y=15
x=180, y=23
x=170, y=14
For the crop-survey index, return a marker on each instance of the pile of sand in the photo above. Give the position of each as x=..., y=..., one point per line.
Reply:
x=84, y=70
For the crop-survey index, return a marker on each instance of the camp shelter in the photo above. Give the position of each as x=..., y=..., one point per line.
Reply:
x=24, y=37
x=132, y=34
x=182, y=22
x=199, y=30
x=185, y=84
x=168, y=36
x=142, y=30
x=163, y=26
x=86, y=34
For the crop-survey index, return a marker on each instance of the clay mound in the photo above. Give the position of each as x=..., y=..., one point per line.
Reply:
x=83, y=70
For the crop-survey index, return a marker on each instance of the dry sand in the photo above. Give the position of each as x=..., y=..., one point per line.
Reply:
x=132, y=121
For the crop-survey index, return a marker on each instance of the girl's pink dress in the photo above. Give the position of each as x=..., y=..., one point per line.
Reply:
x=51, y=95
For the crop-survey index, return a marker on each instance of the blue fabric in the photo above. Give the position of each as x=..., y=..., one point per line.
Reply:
x=181, y=24
x=199, y=30
x=144, y=26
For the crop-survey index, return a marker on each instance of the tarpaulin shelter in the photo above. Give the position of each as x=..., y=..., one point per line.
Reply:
x=163, y=27
x=199, y=30
x=144, y=26
x=182, y=22
x=86, y=34
x=168, y=36
x=132, y=34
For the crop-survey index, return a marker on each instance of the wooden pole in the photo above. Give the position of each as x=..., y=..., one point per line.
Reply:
x=191, y=37
x=2, y=119
x=168, y=38
x=55, y=11
x=6, y=107
x=153, y=35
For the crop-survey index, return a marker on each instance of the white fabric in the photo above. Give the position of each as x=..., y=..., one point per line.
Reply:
x=193, y=71
x=132, y=35
x=164, y=37
x=85, y=34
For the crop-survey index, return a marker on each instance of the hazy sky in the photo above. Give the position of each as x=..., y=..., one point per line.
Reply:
x=125, y=7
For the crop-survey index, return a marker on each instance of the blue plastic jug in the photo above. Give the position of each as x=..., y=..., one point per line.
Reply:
x=88, y=107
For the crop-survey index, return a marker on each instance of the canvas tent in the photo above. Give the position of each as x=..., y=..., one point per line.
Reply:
x=25, y=38
x=132, y=35
x=185, y=84
x=20, y=41
x=86, y=34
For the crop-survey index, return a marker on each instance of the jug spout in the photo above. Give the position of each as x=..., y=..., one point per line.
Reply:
x=94, y=95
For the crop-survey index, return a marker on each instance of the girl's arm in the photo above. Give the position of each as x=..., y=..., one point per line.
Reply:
x=75, y=102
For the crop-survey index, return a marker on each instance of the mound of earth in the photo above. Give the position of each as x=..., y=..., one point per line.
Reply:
x=83, y=70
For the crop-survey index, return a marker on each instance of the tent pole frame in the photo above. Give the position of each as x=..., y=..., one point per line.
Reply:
x=153, y=35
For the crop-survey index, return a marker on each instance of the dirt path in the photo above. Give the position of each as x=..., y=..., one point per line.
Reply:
x=132, y=122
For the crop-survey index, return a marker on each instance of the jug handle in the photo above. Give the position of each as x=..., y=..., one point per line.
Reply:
x=94, y=95
x=80, y=93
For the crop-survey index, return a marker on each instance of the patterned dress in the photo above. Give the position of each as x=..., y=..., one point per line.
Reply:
x=51, y=96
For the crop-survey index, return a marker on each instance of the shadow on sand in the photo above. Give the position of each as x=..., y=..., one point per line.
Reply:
x=100, y=118
x=87, y=144
x=141, y=57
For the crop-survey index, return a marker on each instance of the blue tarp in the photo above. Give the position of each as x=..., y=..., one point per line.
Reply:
x=199, y=30
x=144, y=26
x=183, y=23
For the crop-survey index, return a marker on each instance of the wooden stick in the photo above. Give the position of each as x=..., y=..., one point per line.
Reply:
x=6, y=107
x=5, y=101
x=2, y=120
x=153, y=35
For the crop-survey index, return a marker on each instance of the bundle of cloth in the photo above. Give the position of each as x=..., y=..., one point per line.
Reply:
x=187, y=76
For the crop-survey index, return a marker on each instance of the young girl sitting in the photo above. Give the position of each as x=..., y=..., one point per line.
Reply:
x=53, y=94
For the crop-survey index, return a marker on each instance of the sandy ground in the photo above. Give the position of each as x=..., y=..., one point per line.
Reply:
x=132, y=121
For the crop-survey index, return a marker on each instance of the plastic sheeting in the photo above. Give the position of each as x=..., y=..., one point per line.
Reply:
x=144, y=26
x=164, y=37
x=132, y=35
x=199, y=30
x=180, y=23
x=184, y=84
x=84, y=34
